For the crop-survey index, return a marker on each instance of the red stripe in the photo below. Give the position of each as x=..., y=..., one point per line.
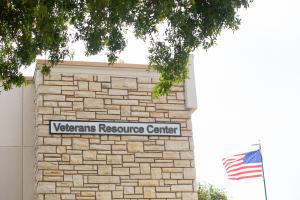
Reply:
x=244, y=177
x=239, y=154
x=244, y=167
x=235, y=157
x=235, y=165
x=230, y=161
x=231, y=157
x=224, y=162
x=225, y=165
x=245, y=172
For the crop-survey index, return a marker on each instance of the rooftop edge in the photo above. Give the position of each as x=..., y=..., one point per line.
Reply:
x=97, y=64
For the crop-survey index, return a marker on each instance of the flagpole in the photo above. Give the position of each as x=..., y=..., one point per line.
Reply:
x=263, y=171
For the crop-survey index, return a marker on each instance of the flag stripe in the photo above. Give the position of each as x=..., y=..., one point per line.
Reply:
x=233, y=157
x=244, y=177
x=235, y=165
x=233, y=161
x=243, y=166
x=244, y=172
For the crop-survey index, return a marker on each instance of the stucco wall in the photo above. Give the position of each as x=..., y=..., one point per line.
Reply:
x=16, y=144
x=111, y=167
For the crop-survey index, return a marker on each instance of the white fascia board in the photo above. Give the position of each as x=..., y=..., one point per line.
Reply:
x=190, y=87
x=103, y=71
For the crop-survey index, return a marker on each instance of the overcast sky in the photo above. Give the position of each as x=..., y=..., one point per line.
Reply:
x=248, y=88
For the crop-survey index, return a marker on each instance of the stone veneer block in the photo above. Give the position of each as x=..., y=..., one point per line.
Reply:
x=93, y=103
x=95, y=86
x=135, y=147
x=80, y=144
x=124, y=83
x=103, y=196
x=46, y=187
x=104, y=179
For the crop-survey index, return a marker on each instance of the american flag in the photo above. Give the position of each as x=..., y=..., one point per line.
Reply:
x=245, y=165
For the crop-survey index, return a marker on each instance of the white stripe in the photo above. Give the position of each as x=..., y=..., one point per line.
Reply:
x=242, y=165
x=245, y=170
x=239, y=162
x=231, y=159
x=249, y=174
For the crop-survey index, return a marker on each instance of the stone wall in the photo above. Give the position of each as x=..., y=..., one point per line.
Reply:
x=105, y=167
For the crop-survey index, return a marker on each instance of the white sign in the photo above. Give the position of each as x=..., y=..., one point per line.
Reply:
x=114, y=128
